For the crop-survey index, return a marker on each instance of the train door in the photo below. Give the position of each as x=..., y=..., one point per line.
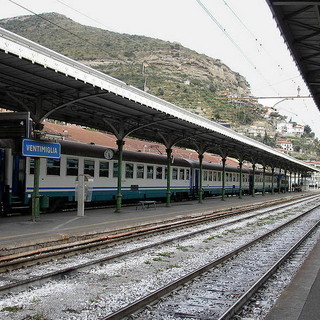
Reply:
x=2, y=172
x=250, y=183
x=196, y=181
x=18, y=177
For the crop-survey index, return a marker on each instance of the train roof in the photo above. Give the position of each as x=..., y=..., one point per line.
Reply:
x=96, y=151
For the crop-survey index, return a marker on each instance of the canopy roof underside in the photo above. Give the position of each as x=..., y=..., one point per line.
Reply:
x=299, y=22
x=49, y=85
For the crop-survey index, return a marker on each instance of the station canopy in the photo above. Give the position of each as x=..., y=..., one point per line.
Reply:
x=50, y=85
x=299, y=22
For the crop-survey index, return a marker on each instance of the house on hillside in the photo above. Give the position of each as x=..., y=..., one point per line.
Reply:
x=298, y=130
x=260, y=128
x=290, y=129
x=285, y=145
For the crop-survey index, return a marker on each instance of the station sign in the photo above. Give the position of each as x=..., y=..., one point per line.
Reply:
x=32, y=148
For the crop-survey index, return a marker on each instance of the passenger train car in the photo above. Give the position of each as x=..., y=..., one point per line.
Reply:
x=143, y=176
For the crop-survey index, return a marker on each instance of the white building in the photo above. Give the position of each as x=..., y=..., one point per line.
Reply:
x=285, y=145
x=289, y=129
x=260, y=128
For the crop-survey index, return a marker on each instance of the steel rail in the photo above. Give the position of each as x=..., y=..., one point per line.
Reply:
x=24, y=259
x=42, y=279
x=262, y=280
x=165, y=290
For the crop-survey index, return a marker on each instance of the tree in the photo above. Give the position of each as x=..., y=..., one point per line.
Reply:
x=307, y=129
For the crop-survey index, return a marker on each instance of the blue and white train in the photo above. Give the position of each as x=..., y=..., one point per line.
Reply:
x=143, y=176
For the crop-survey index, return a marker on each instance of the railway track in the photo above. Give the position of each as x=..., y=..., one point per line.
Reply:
x=219, y=289
x=32, y=257
x=16, y=285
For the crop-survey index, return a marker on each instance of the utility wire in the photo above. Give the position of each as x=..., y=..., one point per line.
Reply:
x=234, y=43
x=256, y=40
x=233, y=12
x=92, y=19
x=83, y=14
x=86, y=41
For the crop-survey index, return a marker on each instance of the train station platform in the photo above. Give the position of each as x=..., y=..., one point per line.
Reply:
x=17, y=231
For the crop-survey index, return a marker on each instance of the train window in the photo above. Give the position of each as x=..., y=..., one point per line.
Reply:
x=129, y=170
x=31, y=165
x=72, y=167
x=174, y=174
x=140, y=171
x=115, y=170
x=205, y=175
x=150, y=170
x=159, y=172
x=53, y=167
x=227, y=176
x=181, y=174
x=104, y=169
x=187, y=174
x=219, y=176
x=214, y=176
x=210, y=176
x=234, y=177
x=89, y=167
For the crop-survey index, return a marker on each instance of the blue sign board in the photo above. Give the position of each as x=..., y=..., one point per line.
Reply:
x=31, y=148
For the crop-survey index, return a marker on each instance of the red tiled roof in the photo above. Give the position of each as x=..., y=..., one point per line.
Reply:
x=79, y=134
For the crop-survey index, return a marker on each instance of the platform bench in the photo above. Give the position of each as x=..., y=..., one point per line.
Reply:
x=146, y=204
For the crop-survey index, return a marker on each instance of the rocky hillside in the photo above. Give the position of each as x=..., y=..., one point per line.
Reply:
x=165, y=69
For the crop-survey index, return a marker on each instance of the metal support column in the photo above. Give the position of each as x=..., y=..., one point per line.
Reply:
x=240, y=179
x=168, y=193
x=36, y=177
x=36, y=193
x=285, y=181
x=120, y=144
x=279, y=181
x=200, y=192
x=290, y=181
x=264, y=181
x=272, y=180
x=253, y=179
x=223, y=191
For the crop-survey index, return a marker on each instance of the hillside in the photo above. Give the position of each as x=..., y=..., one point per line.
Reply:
x=164, y=69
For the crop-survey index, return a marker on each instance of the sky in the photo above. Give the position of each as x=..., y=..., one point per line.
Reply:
x=241, y=33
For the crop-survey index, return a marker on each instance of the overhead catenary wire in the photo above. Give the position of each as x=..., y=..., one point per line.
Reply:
x=250, y=62
x=85, y=40
x=260, y=44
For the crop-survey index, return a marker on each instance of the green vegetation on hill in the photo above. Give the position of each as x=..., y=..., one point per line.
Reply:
x=167, y=70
